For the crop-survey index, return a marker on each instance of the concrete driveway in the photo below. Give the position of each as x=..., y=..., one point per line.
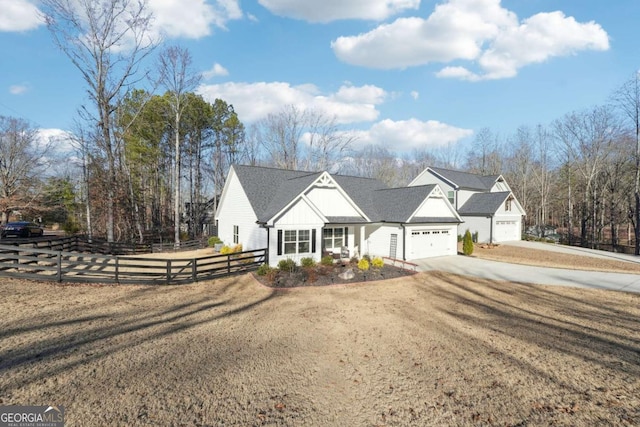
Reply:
x=528, y=274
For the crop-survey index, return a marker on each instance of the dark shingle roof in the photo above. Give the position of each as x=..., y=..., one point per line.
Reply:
x=346, y=219
x=483, y=203
x=361, y=191
x=433, y=220
x=397, y=204
x=262, y=185
x=467, y=180
x=269, y=190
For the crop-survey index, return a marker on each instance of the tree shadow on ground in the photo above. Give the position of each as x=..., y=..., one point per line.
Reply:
x=77, y=338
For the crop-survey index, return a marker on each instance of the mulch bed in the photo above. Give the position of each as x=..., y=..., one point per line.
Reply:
x=322, y=275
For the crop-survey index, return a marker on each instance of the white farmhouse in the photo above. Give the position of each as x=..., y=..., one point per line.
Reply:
x=298, y=214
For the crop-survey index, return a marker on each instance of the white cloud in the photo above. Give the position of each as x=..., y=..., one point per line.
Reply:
x=254, y=101
x=18, y=89
x=406, y=135
x=331, y=10
x=19, y=15
x=479, y=31
x=61, y=141
x=415, y=94
x=215, y=71
x=192, y=18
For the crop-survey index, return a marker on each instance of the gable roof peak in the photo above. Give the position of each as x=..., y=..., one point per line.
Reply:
x=467, y=180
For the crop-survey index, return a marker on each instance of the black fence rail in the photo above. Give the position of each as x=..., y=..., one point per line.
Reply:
x=80, y=243
x=72, y=266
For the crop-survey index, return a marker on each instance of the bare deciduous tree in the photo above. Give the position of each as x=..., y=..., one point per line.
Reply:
x=627, y=99
x=22, y=161
x=303, y=139
x=106, y=41
x=587, y=138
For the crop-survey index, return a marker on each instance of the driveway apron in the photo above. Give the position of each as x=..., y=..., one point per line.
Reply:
x=494, y=270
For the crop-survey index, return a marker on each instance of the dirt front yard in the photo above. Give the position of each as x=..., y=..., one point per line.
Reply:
x=431, y=349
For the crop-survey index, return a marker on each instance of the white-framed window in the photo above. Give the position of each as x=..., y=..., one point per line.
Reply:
x=333, y=238
x=236, y=234
x=297, y=242
x=507, y=205
x=451, y=196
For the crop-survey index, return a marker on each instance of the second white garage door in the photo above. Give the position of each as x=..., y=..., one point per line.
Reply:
x=431, y=243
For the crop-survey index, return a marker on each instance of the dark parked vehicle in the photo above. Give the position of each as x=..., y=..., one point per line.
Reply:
x=21, y=229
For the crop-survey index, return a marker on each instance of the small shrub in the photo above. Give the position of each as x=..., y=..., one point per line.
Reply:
x=263, y=270
x=474, y=237
x=327, y=260
x=213, y=240
x=467, y=244
x=363, y=264
x=367, y=257
x=271, y=275
x=307, y=262
x=226, y=250
x=288, y=265
x=377, y=262
x=354, y=260
x=459, y=238
x=70, y=227
x=237, y=248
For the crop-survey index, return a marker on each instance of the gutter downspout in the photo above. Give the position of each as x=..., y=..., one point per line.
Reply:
x=404, y=242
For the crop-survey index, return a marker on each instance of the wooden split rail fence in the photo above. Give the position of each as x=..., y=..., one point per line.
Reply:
x=62, y=263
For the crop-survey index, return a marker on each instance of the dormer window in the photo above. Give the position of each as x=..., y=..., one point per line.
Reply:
x=451, y=196
x=507, y=204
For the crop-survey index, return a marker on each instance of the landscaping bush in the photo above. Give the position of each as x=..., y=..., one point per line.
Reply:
x=377, y=262
x=367, y=257
x=263, y=270
x=327, y=260
x=363, y=264
x=467, y=243
x=307, y=262
x=227, y=250
x=213, y=240
x=288, y=265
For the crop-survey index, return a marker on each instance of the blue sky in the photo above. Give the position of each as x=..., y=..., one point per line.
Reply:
x=402, y=73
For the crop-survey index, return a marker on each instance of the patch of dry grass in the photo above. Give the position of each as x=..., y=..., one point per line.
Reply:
x=431, y=349
x=537, y=257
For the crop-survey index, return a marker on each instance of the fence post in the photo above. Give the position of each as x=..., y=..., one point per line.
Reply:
x=59, y=262
x=228, y=263
x=117, y=275
x=168, y=271
x=194, y=270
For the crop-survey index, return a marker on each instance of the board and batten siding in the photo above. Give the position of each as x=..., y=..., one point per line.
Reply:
x=435, y=207
x=236, y=210
x=299, y=216
x=331, y=202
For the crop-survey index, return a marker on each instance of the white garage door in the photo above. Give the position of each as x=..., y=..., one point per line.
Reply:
x=430, y=243
x=507, y=231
